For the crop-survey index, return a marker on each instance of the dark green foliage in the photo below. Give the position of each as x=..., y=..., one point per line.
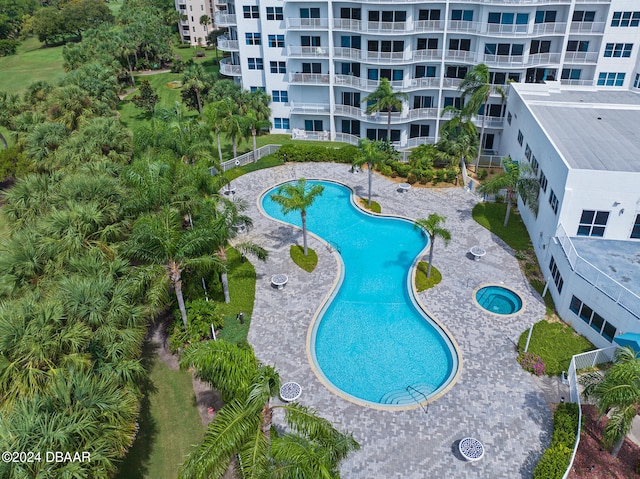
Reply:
x=482, y=173
x=14, y=164
x=313, y=153
x=57, y=23
x=147, y=98
x=202, y=314
x=555, y=460
x=8, y=47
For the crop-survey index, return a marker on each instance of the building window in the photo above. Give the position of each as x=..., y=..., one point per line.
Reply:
x=424, y=71
x=251, y=11
x=625, y=19
x=540, y=46
x=278, y=67
x=635, y=232
x=508, y=18
x=546, y=16
x=555, y=274
x=255, y=64
x=274, y=13
x=593, y=223
x=593, y=319
x=276, y=41
x=571, y=73
x=309, y=41
x=509, y=117
x=553, y=201
x=520, y=137
x=453, y=101
x=252, y=38
x=534, y=165
x=381, y=134
x=577, y=46
x=313, y=125
x=310, y=13
x=583, y=16
x=429, y=15
x=527, y=152
x=610, y=79
x=503, y=49
x=618, y=50
x=427, y=44
x=281, y=123
x=279, y=96
x=417, y=131
x=456, y=72
x=256, y=88
x=543, y=181
x=636, y=82
x=460, y=44
x=464, y=15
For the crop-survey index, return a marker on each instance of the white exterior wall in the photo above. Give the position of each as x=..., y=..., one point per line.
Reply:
x=193, y=11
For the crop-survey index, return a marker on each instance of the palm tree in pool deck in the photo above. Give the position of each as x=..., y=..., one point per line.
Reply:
x=617, y=393
x=432, y=226
x=517, y=178
x=370, y=154
x=298, y=197
x=385, y=99
x=476, y=89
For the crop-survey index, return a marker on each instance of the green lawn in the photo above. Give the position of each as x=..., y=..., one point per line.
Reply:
x=491, y=216
x=424, y=283
x=308, y=262
x=556, y=343
x=32, y=63
x=169, y=424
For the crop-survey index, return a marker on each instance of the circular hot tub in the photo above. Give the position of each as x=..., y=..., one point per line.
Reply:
x=498, y=300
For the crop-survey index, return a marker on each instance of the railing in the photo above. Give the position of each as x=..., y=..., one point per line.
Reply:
x=543, y=59
x=227, y=45
x=581, y=57
x=347, y=138
x=421, y=55
x=490, y=161
x=548, y=28
x=582, y=361
x=461, y=56
x=504, y=60
x=489, y=122
x=411, y=388
x=307, y=23
x=464, y=26
x=227, y=68
x=362, y=26
x=422, y=113
x=297, y=51
x=224, y=19
x=524, y=2
x=311, y=108
x=508, y=29
x=577, y=82
x=594, y=276
x=246, y=158
x=587, y=27
x=421, y=140
x=309, y=78
x=348, y=110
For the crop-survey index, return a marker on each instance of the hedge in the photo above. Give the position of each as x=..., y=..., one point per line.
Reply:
x=554, y=462
x=317, y=153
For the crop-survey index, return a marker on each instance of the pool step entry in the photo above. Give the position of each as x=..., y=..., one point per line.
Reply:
x=412, y=394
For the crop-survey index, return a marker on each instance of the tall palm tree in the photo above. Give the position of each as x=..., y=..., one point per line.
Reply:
x=516, y=178
x=215, y=115
x=298, y=197
x=384, y=98
x=196, y=79
x=432, y=226
x=459, y=138
x=369, y=153
x=314, y=448
x=205, y=21
x=160, y=240
x=237, y=127
x=476, y=89
x=617, y=393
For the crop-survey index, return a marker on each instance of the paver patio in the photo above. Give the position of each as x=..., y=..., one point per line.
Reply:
x=494, y=400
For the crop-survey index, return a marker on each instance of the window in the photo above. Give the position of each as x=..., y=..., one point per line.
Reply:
x=351, y=13
x=636, y=82
x=456, y=72
x=463, y=44
x=593, y=223
x=534, y=165
x=427, y=43
x=281, y=123
x=505, y=49
x=453, y=101
x=417, y=131
x=520, y=137
x=308, y=41
x=540, y=46
x=251, y=11
x=553, y=201
x=255, y=64
x=252, y=38
x=571, y=73
x=509, y=117
x=555, y=274
x=351, y=41
x=610, y=79
x=276, y=41
x=609, y=331
x=577, y=46
x=309, y=13
x=429, y=15
x=422, y=102
x=508, y=18
x=279, y=96
x=389, y=74
x=313, y=125
x=464, y=15
x=625, y=19
x=278, y=67
x=618, y=50
x=527, y=152
x=546, y=16
x=583, y=16
x=351, y=98
x=543, y=181
x=256, y=88
x=635, y=232
x=274, y=13
x=351, y=127
x=575, y=305
x=312, y=68
x=424, y=71
x=380, y=134
x=593, y=319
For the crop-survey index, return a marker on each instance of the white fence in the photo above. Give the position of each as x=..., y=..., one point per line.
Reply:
x=578, y=362
x=246, y=158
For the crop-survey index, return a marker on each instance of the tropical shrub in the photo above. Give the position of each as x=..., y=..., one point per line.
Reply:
x=482, y=174
x=532, y=363
x=317, y=153
x=411, y=178
x=554, y=462
x=202, y=314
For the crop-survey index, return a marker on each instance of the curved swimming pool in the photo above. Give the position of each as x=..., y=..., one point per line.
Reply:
x=371, y=341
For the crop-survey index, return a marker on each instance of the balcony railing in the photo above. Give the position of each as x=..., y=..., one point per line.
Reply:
x=490, y=121
x=461, y=56
x=422, y=114
x=464, y=26
x=549, y=28
x=227, y=68
x=296, y=51
x=577, y=82
x=362, y=26
x=351, y=111
x=506, y=29
x=587, y=27
x=581, y=57
x=227, y=45
x=543, y=59
x=451, y=82
x=422, y=55
x=525, y=2
x=307, y=23
x=310, y=108
x=309, y=78
x=224, y=19
x=421, y=140
x=347, y=138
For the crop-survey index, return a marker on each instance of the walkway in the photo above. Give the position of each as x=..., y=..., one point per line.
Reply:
x=493, y=400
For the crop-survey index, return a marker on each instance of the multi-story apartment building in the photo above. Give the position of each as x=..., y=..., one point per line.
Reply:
x=319, y=59
x=191, y=29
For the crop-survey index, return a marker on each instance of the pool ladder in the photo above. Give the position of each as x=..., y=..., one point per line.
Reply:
x=333, y=246
x=410, y=388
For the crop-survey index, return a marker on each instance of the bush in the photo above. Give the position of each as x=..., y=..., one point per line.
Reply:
x=317, y=153
x=8, y=47
x=386, y=170
x=532, y=363
x=555, y=460
x=14, y=164
x=202, y=314
x=553, y=463
x=482, y=174
x=402, y=169
x=450, y=175
x=411, y=178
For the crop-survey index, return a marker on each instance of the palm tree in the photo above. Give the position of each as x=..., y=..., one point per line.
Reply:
x=197, y=80
x=459, y=138
x=617, y=393
x=516, y=179
x=385, y=99
x=476, y=89
x=161, y=240
x=216, y=114
x=205, y=21
x=370, y=154
x=298, y=197
x=431, y=225
x=314, y=448
x=236, y=126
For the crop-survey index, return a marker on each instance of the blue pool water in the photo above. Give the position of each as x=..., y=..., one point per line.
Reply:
x=498, y=300
x=371, y=340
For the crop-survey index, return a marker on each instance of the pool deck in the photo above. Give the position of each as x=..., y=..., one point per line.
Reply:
x=494, y=400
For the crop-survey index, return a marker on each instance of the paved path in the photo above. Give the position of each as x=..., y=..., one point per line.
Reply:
x=493, y=400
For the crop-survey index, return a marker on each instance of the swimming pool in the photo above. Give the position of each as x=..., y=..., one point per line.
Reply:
x=371, y=341
x=498, y=300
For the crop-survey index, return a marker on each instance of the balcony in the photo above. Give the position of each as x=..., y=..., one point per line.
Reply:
x=428, y=26
x=587, y=27
x=489, y=122
x=499, y=29
x=549, y=28
x=421, y=140
x=224, y=19
x=361, y=26
x=350, y=111
x=309, y=78
x=229, y=69
x=543, y=59
x=226, y=45
x=581, y=57
x=577, y=82
x=310, y=108
x=296, y=51
x=461, y=56
x=307, y=23
x=451, y=83
x=529, y=2
x=462, y=26
x=425, y=55
x=372, y=57
x=404, y=84
x=422, y=114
